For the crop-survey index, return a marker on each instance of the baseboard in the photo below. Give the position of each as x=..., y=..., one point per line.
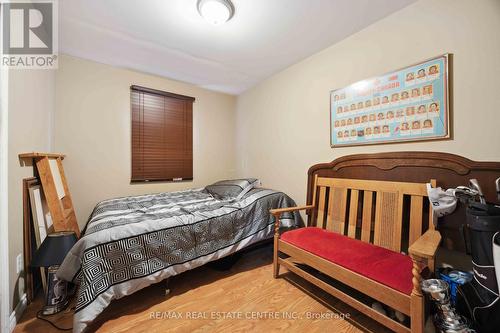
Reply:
x=18, y=312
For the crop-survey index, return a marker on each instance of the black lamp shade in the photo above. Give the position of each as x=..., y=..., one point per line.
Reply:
x=53, y=249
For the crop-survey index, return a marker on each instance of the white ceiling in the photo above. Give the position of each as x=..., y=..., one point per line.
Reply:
x=169, y=38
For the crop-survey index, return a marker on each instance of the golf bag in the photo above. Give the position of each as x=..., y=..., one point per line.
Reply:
x=479, y=300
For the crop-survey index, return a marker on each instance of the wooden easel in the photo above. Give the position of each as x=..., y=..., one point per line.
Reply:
x=50, y=171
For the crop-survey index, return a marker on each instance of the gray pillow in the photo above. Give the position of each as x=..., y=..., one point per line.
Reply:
x=232, y=189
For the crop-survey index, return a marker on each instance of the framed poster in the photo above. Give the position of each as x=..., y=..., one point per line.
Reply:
x=409, y=104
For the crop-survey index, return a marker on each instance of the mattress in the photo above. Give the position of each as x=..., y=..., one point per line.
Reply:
x=132, y=242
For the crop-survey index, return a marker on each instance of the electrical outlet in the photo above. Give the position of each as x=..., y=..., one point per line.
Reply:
x=19, y=263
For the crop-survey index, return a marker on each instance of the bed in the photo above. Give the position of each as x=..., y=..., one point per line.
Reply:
x=132, y=242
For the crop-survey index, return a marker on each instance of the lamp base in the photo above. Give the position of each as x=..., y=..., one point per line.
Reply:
x=56, y=294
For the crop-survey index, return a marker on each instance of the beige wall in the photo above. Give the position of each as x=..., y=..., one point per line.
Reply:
x=283, y=123
x=30, y=106
x=92, y=127
x=281, y=126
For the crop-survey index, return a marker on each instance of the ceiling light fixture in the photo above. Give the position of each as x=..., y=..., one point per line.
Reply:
x=216, y=11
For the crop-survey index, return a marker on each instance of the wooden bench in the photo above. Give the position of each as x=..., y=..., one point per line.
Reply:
x=373, y=213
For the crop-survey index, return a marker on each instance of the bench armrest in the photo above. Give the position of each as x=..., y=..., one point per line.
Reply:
x=426, y=245
x=279, y=211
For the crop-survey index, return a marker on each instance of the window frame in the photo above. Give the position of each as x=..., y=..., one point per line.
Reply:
x=150, y=91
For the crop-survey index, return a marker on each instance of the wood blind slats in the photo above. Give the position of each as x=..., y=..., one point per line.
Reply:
x=162, y=135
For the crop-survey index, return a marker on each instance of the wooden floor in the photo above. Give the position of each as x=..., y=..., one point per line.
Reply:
x=206, y=300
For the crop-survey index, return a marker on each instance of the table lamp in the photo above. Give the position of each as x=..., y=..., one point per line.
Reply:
x=51, y=255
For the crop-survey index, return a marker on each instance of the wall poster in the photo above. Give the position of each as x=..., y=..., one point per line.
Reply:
x=410, y=104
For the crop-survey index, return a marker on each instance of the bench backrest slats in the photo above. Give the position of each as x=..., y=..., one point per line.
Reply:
x=353, y=214
x=388, y=220
x=366, y=226
x=416, y=217
x=372, y=211
x=338, y=208
x=321, y=206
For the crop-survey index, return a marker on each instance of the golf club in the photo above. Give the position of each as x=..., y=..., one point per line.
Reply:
x=464, y=194
x=497, y=186
x=475, y=185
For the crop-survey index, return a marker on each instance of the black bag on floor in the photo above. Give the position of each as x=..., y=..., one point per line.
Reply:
x=479, y=300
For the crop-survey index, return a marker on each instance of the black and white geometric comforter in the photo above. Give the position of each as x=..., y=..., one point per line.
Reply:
x=130, y=243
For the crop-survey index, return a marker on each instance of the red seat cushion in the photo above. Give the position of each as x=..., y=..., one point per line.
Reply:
x=377, y=263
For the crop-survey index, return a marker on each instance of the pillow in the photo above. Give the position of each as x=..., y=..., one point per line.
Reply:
x=234, y=188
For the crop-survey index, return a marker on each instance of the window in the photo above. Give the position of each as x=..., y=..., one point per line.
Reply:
x=162, y=135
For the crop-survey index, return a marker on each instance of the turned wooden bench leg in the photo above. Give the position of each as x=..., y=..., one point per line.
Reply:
x=276, y=266
x=417, y=300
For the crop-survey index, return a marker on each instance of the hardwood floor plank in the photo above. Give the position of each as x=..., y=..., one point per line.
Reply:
x=203, y=296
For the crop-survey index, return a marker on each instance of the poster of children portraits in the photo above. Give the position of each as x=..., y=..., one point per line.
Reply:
x=410, y=104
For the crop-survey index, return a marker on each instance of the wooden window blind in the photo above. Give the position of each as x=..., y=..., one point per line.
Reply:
x=162, y=135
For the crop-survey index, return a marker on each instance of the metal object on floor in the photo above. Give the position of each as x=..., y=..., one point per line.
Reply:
x=446, y=320
x=57, y=296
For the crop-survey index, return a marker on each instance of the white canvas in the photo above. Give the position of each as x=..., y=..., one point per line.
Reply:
x=56, y=174
x=40, y=216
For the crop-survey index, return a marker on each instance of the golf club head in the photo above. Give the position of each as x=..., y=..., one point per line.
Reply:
x=475, y=185
x=497, y=186
x=465, y=194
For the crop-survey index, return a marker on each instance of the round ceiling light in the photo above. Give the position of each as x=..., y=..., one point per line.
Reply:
x=216, y=11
